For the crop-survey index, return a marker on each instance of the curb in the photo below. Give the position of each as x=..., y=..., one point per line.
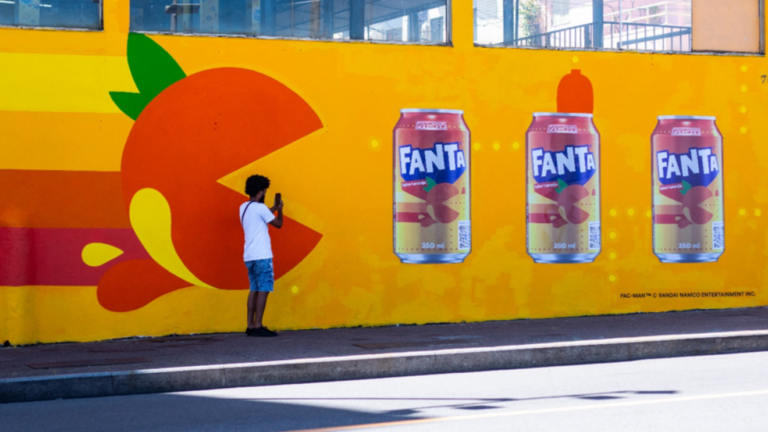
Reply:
x=377, y=366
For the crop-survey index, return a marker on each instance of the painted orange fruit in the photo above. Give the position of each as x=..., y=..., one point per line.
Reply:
x=188, y=136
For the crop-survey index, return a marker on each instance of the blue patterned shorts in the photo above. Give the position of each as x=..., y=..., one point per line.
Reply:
x=261, y=274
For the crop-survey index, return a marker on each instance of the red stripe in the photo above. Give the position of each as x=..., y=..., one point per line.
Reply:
x=53, y=256
x=669, y=218
x=409, y=217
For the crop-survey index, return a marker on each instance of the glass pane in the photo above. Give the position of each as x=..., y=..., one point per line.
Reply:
x=406, y=21
x=420, y=21
x=732, y=26
x=82, y=14
x=646, y=25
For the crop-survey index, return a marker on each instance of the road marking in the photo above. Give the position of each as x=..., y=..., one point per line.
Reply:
x=538, y=411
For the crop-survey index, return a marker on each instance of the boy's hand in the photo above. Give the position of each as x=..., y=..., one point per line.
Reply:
x=278, y=221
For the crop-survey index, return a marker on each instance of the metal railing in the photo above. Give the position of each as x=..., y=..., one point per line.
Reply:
x=571, y=37
x=650, y=37
x=638, y=36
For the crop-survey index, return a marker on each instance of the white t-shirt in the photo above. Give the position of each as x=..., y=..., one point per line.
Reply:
x=255, y=220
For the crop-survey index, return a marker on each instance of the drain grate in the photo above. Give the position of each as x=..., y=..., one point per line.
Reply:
x=82, y=363
x=412, y=344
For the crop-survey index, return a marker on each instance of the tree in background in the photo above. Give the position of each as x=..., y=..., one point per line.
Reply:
x=530, y=12
x=655, y=10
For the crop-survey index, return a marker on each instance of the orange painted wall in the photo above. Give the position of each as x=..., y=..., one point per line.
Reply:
x=63, y=151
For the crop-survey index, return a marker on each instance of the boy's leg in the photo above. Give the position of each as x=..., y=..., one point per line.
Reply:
x=252, y=295
x=261, y=305
x=265, y=277
x=262, y=279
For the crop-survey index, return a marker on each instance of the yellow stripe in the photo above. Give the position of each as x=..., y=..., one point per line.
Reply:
x=62, y=83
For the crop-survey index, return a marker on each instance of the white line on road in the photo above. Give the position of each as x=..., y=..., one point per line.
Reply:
x=540, y=411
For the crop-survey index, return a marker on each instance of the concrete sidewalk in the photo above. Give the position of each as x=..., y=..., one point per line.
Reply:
x=149, y=365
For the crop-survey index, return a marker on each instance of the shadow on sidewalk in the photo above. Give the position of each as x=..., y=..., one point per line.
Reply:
x=234, y=411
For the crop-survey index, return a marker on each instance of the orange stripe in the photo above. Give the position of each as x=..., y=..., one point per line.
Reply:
x=544, y=208
x=669, y=209
x=62, y=199
x=63, y=141
x=412, y=207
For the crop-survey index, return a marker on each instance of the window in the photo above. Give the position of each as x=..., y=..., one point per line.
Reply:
x=643, y=25
x=419, y=21
x=80, y=14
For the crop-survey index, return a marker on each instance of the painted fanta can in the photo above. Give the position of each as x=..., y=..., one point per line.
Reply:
x=563, y=188
x=687, y=161
x=432, y=187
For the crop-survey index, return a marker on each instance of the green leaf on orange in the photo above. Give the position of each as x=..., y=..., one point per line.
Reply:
x=686, y=187
x=561, y=185
x=153, y=70
x=129, y=103
x=430, y=184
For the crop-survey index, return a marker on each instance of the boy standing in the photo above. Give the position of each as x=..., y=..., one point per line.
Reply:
x=255, y=216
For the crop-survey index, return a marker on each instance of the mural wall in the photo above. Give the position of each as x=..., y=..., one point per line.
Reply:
x=123, y=160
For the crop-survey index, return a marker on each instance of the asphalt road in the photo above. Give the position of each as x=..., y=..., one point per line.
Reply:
x=715, y=393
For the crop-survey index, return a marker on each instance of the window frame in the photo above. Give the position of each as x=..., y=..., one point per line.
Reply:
x=70, y=29
x=760, y=53
x=448, y=35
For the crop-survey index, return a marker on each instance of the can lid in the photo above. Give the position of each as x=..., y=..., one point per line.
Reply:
x=547, y=114
x=435, y=111
x=687, y=118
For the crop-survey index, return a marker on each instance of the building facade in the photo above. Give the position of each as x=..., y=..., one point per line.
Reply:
x=130, y=126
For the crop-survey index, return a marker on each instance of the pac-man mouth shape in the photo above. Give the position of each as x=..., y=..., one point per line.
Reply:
x=191, y=131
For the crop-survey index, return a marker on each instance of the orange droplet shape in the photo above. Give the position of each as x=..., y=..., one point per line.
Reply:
x=575, y=94
x=131, y=285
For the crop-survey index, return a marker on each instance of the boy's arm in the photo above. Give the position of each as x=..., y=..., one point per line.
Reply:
x=278, y=221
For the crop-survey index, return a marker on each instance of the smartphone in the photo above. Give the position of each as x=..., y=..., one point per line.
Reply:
x=278, y=198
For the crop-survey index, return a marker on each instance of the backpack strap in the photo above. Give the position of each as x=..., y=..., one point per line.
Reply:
x=242, y=218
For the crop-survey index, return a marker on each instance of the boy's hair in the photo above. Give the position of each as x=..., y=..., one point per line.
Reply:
x=256, y=184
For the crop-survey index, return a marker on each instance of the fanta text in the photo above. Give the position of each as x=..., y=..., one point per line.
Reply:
x=698, y=167
x=444, y=162
x=575, y=164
